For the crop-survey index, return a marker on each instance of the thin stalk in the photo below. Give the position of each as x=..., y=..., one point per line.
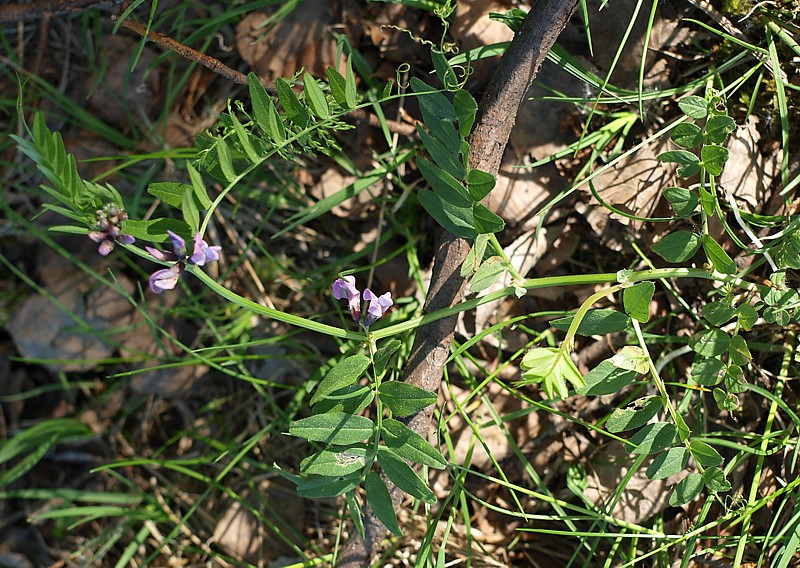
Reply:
x=788, y=354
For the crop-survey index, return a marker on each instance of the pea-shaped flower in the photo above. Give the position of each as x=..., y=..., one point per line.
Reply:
x=167, y=278
x=345, y=289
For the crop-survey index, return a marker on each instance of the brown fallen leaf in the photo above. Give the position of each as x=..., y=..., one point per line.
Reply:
x=302, y=40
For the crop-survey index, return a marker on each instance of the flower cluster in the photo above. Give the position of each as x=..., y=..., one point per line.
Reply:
x=345, y=288
x=167, y=278
x=108, y=230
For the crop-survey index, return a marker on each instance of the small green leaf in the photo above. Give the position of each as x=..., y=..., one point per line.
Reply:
x=710, y=342
x=688, y=488
x=409, y=445
x=351, y=399
x=260, y=101
x=345, y=372
x=444, y=184
x=694, y=106
x=708, y=372
x=444, y=157
x=684, y=202
x=333, y=428
x=438, y=114
x=292, y=106
x=726, y=401
x=384, y=355
x=747, y=316
x=444, y=72
x=466, y=109
x=200, y=191
x=704, y=454
x=458, y=220
x=323, y=487
x=335, y=462
x=190, y=213
x=381, y=502
x=718, y=312
x=170, y=193
x=315, y=97
x=350, y=90
x=652, y=438
x=636, y=300
x=403, y=476
x=715, y=480
x=595, y=322
x=738, y=350
x=404, y=399
x=274, y=126
x=688, y=163
x=718, y=258
x=487, y=274
x=714, y=158
x=155, y=230
x=678, y=246
x=687, y=135
x=735, y=381
x=337, y=83
x=552, y=367
x=475, y=256
x=480, y=184
x=718, y=127
x=708, y=201
x=486, y=220
x=354, y=510
x=669, y=463
x=632, y=358
x=244, y=139
x=636, y=414
x=225, y=161
x=606, y=378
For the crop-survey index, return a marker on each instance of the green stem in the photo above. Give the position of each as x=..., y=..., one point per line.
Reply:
x=569, y=340
x=529, y=284
x=788, y=355
x=683, y=431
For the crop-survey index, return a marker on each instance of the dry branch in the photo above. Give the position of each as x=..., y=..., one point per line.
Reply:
x=496, y=117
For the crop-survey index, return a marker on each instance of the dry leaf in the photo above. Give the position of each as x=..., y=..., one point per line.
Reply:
x=303, y=39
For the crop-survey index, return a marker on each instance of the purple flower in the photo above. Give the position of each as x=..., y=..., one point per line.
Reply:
x=107, y=230
x=167, y=278
x=345, y=288
x=377, y=306
x=202, y=252
x=178, y=246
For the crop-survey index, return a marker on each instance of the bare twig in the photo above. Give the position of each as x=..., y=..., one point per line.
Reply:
x=25, y=12
x=519, y=66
